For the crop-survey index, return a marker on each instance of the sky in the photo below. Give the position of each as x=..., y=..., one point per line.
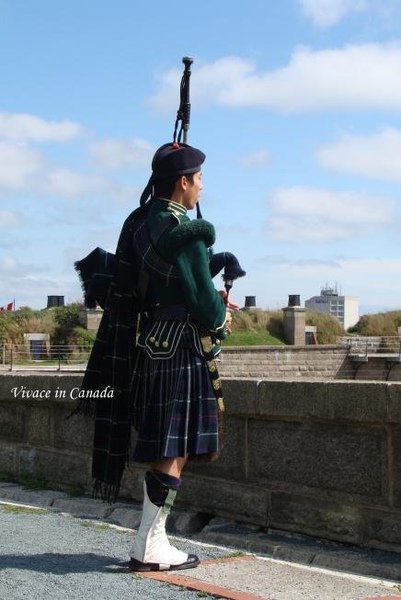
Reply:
x=297, y=105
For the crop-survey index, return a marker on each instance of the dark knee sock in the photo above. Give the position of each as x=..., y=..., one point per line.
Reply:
x=158, y=485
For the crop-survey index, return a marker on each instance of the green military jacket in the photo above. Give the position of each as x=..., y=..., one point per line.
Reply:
x=184, y=244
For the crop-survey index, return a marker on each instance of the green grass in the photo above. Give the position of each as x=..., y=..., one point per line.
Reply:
x=8, y=508
x=252, y=338
x=97, y=526
x=234, y=554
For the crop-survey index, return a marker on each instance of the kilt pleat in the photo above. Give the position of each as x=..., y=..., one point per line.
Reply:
x=174, y=408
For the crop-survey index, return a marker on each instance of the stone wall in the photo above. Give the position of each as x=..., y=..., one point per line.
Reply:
x=277, y=362
x=321, y=458
x=305, y=362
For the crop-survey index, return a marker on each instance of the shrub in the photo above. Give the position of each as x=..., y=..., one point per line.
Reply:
x=57, y=322
x=66, y=319
x=328, y=328
x=81, y=338
x=259, y=320
x=14, y=324
x=378, y=324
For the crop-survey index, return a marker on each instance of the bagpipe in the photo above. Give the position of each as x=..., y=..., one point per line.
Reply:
x=96, y=269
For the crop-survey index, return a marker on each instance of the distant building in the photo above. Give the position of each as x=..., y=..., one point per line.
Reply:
x=330, y=302
x=54, y=301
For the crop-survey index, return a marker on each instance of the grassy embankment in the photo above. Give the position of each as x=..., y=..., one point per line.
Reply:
x=255, y=327
x=61, y=323
x=264, y=327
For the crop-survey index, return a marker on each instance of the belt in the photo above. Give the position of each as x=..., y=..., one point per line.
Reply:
x=174, y=312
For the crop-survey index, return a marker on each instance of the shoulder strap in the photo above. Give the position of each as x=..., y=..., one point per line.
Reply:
x=160, y=228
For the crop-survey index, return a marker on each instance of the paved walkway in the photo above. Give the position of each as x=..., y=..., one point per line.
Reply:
x=54, y=547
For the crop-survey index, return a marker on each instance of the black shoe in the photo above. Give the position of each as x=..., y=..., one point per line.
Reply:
x=136, y=565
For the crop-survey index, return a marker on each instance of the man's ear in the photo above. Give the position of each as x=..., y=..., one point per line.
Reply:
x=183, y=182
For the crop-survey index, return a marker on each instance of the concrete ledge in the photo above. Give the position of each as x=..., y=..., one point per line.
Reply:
x=317, y=458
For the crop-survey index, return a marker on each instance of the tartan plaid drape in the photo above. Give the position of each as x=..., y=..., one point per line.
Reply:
x=110, y=364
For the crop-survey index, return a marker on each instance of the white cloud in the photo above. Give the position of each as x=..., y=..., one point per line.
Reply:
x=376, y=156
x=206, y=88
x=25, y=169
x=325, y=13
x=9, y=219
x=66, y=183
x=373, y=280
x=23, y=127
x=301, y=214
x=283, y=261
x=30, y=289
x=353, y=77
x=259, y=159
x=70, y=184
x=115, y=154
x=354, y=266
x=18, y=164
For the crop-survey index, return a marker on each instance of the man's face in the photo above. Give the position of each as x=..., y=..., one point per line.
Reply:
x=192, y=190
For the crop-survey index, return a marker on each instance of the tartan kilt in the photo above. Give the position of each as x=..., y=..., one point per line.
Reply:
x=174, y=408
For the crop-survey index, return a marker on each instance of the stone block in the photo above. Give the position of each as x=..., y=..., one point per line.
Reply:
x=132, y=482
x=240, y=396
x=186, y=522
x=396, y=471
x=332, y=400
x=40, y=498
x=57, y=385
x=8, y=463
x=82, y=507
x=38, y=425
x=72, y=433
x=231, y=462
x=225, y=498
x=394, y=402
x=381, y=528
x=125, y=517
x=381, y=565
x=330, y=457
x=313, y=516
x=66, y=468
x=395, y=373
x=12, y=422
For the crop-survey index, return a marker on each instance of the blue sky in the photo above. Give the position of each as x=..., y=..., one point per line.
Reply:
x=296, y=104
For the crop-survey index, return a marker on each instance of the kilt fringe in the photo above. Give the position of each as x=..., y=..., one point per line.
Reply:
x=107, y=492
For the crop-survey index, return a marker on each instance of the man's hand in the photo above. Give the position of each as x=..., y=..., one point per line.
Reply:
x=230, y=305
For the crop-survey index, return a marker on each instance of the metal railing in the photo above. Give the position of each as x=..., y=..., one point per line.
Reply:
x=51, y=357
x=365, y=346
x=361, y=354
x=374, y=356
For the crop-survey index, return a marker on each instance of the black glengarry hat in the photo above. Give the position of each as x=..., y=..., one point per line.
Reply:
x=173, y=159
x=176, y=159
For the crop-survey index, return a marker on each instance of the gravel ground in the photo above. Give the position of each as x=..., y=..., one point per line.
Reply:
x=52, y=555
x=44, y=555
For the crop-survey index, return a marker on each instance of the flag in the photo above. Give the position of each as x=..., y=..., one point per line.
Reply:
x=9, y=306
